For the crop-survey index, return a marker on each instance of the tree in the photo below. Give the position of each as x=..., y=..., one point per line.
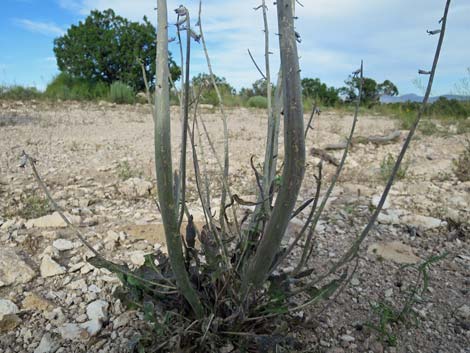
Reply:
x=315, y=89
x=208, y=94
x=387, y=88
x=258, y=88
x=371, y=90
x=204, y=80
x=106, y=48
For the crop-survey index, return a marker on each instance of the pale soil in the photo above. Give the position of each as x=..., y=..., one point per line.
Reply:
x=80, y=147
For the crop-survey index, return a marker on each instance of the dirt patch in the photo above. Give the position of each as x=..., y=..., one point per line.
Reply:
x=79, y=148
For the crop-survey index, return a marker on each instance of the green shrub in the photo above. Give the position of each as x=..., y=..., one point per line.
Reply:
x=232, y=100
x=308, y=104
x=121, y=93
x=444, y=107
x=428, y=128
x=28, y=206
x=387, y=165
x=258, y=102
x=125, y=171
x=17, y=92
x=66, y=87
x=463, y=126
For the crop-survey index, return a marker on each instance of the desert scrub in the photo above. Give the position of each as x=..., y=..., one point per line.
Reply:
x=463, y=126
x=121, y=93
x=257, y=102
x=17, y=92
x=462, y=164
x=67, y=87
x=387, y=165
x=428, y=128
x=28, y=206
x=125, y=171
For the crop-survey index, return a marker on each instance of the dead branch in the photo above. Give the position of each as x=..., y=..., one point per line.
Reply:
x=325, y=156
x=390, y=138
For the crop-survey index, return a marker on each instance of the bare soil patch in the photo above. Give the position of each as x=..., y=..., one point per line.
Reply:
x=98, y=161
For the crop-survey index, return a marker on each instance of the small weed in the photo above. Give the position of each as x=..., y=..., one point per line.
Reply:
x=74, y=146
x=387, y=314
x=442, y=176
x=387, y=165
x=125, y=171
x=428, y=128
x=349, y=209
x=462, y=164
x=28, y=207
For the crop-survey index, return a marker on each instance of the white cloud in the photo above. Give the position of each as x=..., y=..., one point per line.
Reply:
x=71, y=5
x=389, y=35
x=45, y=28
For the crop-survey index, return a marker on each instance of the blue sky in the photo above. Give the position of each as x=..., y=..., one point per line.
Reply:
x=389, y=35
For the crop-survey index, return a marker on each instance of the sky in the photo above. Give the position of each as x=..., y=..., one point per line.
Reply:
x=390, y=36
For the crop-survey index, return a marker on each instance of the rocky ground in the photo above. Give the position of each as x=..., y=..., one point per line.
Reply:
x=97, y=159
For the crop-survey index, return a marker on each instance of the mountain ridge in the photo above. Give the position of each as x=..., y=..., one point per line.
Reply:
x=412, y=97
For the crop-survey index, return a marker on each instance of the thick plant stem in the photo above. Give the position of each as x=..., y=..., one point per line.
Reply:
x=163, y=164
x=294, y=147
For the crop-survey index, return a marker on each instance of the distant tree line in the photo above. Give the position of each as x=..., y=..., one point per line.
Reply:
x=106, y=48
x=102, y=57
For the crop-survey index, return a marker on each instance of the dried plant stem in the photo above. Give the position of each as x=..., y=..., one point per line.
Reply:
x=256, y=65
x=147, y=88
x=184, y=134
x=309, y=125
x=269, y=143
x=354, y=249
x=205, y=201
x=163, y=164
x=224, y=122
x=263, y=210
x=56, y=206
x=80, y=236
x=224, y=181
x=327, y=195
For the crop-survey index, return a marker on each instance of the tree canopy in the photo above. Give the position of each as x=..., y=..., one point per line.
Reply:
x=258, y=88
x=106, y=48
x=315, y=89
x=371, y=90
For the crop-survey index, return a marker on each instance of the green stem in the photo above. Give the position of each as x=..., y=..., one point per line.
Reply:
x=163, y=164
x=294, y=148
